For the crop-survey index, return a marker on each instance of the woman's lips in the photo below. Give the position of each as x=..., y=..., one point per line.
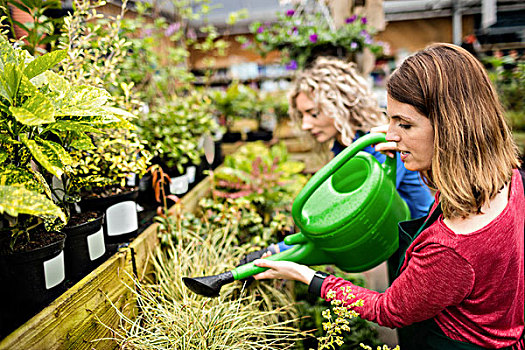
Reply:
x=404, y=155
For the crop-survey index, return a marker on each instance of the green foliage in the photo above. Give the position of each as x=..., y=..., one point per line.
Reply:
x=157, y=59
x=236, y=102
x=97, y=48
x=508, y=75
x=17, y=200
x=314, y=310
x=299, y=33
x=42, y=30
x=264, y=176
x=338, y=318
x=113, y=159
x=174, y=129
x=43, y=119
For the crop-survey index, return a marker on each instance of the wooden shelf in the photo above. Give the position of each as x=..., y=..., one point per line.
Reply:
x=74, y=319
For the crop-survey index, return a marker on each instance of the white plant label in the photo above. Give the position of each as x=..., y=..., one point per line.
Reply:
x=131, y=180
x=179, y=185
x=121, y=218
x=54, y=271
x=96, y=246
x=190, y=173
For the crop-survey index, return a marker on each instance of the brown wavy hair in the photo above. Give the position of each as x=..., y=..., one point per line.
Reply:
x=338, y=91
x=474, y=152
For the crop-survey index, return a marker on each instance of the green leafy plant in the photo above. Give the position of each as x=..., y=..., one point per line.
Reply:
x=42, y=31
x=174, y=129
x=161, y=71
x=42, y=118
x=301, y=33
x=264, y=176
x=508, y=75
x=236, y=102
x=96, y=49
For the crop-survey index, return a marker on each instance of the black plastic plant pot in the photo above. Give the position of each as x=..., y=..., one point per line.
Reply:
x=259, y=135
x=231, y=137
x=217, y=160
x=146, y=196
x=30, y=280
x=121, y=219
x=85, y=247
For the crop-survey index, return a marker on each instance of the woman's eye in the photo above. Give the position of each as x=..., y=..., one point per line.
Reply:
x=314, y=115
x=405, y=126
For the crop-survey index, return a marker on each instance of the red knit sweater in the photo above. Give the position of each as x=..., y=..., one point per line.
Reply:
x=472, y=284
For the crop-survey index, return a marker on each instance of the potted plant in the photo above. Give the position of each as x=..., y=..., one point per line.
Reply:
x=303, y=33
x=174, y=131
x=235, y=103
x=105, y=175
x=39, y=108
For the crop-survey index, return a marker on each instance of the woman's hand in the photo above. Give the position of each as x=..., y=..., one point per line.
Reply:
x=284, y=270
x=388, y=148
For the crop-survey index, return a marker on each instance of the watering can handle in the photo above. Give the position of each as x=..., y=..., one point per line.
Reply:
x=320, y=176
x=390, y=164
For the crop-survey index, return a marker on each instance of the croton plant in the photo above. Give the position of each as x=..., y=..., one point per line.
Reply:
x=43, y=120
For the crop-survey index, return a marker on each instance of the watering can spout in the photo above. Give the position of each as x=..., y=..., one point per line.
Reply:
x=209, y=286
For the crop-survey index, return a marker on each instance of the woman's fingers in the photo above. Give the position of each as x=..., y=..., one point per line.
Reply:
x=379, y=129
x=284, y=270
x=387, y=148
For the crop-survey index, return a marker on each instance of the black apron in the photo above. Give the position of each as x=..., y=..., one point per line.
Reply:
x=425, y=334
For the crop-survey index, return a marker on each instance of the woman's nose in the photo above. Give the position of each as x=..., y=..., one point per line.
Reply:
x=307, y=122
x=391, y=135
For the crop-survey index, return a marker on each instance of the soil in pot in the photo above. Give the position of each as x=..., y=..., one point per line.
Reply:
x=121, y=219
x=85, y=246
x=31, y=276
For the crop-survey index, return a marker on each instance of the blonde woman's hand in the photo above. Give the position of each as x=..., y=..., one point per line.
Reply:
x=387, y=148
x=284, y=270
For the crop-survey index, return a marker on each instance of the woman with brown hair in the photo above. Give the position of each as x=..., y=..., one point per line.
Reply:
x=460, y=270
x=332, y=102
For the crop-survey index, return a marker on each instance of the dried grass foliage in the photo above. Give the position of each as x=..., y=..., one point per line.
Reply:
x=170, y=316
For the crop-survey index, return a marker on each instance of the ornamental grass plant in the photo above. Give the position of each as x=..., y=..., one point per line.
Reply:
x=170, y=316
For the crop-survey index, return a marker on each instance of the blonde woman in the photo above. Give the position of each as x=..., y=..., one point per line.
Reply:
x=460, y=279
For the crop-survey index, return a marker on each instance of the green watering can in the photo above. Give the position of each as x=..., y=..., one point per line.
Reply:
x=347, y=213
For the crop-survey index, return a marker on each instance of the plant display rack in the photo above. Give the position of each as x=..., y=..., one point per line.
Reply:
x=74, y=319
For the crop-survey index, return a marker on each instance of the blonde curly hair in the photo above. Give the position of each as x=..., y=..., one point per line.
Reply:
x=338, y=91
